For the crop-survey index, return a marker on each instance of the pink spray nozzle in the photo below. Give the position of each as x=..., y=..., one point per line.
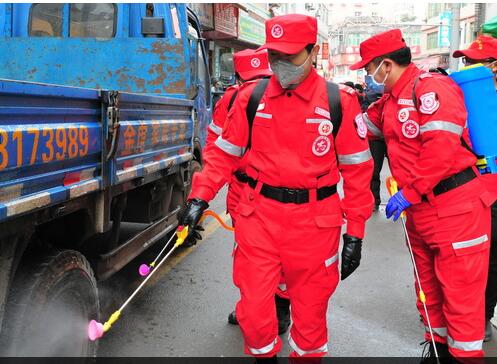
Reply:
x=144, y=270
x=95, y=330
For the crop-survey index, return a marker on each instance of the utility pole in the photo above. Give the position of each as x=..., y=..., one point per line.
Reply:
x=455, y=36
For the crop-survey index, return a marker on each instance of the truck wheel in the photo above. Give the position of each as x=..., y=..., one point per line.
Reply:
x=54, y=297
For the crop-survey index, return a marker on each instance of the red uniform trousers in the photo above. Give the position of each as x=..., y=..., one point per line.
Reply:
x=235, y=190
x=450, y=242
x=300, y=241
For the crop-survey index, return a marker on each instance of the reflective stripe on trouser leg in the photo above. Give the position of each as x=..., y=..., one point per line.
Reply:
x=424, y=258
x=257, y=273
x=311, y=275
x=264, y=350
x=460, y=263
x=314, y=352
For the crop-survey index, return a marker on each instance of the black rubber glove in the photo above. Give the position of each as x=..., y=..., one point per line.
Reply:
x=351, y=255
x=190, y=217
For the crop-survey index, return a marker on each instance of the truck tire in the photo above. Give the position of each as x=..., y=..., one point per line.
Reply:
x=53, y=299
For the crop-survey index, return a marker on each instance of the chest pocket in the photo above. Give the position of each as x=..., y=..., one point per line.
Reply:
x=318, y=139
x=262, y=129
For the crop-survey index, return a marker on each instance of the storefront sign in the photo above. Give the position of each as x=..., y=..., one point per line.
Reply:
x=250, y=30
x=226, y=19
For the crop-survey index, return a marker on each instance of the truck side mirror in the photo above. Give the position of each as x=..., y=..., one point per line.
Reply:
x=153, y=27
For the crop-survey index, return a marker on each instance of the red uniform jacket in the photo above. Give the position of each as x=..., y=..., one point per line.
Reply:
x=424, y=144
x=292, y=146
x=219, y=116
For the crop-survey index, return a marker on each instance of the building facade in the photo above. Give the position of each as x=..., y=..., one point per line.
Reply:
x=436, y=34
x=352, y=23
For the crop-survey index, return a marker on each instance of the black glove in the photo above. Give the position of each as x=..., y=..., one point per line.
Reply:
x=351, y=255
x=190, y=217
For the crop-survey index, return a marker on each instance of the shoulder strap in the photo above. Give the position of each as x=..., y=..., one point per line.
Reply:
x=334, y=105
x=232, y=100
x=253, y=103
x=415, y=101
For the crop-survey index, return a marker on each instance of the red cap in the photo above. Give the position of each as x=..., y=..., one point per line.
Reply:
x=379, y=45
x=250, y=64
x=290, y=33
x=482, y=48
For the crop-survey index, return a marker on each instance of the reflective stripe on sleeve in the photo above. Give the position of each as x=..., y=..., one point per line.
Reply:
x=373, y=129
x=322, y=349
x=355, y=158
x=470, y=243
x=465, y=345
x=216, y=129
x=439, y=125
x=229, y=148
x=264, y=350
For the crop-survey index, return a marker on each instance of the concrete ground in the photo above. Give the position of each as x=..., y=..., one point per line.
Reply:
x=183, y=312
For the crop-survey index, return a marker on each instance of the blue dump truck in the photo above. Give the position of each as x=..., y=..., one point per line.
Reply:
x=103, y=115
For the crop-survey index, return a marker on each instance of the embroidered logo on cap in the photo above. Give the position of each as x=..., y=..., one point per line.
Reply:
x=429, y=103
x=410, y=129
x=255, y=62
x=277, y=31
x=321, y=146
x=362, y=129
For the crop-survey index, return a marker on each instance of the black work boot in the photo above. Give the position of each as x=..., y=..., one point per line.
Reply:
x=232, y=318
x=428, y=356
x=283, y=314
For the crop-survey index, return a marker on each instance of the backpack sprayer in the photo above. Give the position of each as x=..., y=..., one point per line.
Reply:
x=480, y=97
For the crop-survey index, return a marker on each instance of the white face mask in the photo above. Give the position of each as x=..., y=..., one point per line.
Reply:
x=287, y=73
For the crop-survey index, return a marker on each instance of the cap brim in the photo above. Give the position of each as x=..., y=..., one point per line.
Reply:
x=248, y=75
x=283, y=47
x=470, y=53
x=361, y=64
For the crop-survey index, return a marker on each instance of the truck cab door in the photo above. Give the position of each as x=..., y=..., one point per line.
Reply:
x=203, y=98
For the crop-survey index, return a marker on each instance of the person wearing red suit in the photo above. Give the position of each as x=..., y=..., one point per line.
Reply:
x=484, y=51
x=289, y=216
x=249, y=66
x=423, y=120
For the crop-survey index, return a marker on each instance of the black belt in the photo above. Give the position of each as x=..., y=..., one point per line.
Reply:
x=453, y=181
x=286, y=195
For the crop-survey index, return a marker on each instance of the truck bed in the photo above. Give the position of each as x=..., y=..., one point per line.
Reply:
x=55, y=142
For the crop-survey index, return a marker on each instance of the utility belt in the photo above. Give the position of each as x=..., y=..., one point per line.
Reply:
x=453, y=181
x=286, y=195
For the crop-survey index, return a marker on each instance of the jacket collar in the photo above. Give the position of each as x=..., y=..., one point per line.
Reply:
x=409, y=73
